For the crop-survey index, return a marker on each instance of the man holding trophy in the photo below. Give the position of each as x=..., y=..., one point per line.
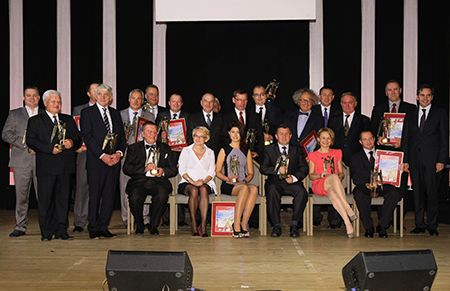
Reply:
x=367, y=185
x=150, y=164
x=103, y=133
x=54, y=137
x=285, y=166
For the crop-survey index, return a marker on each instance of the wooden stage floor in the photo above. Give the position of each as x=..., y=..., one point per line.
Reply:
x=258, y=263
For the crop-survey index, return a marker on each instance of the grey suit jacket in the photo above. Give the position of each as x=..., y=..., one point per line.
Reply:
x=77, y=109
x=13, y=133
x=126, y=122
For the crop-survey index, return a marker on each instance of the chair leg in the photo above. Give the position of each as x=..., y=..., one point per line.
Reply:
x=128, y=219
x=172, y=215
x=401, y=217
x=263, y=217
x=395, y=219
x=306, y=218
x=310, y=220
x=357, y=221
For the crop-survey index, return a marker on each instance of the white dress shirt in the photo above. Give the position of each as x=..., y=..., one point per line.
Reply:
x=189, y=163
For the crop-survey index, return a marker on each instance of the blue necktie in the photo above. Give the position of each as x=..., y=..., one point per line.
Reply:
x=325, y=117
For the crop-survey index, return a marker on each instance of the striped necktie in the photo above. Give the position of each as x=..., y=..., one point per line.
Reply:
x=106, y=120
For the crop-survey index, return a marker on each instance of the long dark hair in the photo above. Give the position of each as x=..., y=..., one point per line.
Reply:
x=242, y=143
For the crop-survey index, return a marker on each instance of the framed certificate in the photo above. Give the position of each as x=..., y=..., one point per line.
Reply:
x=138, y=132
x=77, y=122
x=392, y=127
x=309, y=143
x=176, y=133
x=390, y=165
x=222, y=218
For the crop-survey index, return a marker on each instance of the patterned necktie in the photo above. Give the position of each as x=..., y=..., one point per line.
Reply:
x=422, y=119
x=152, y=110
x=325, y=117
x=208, y=119
x=174, y=116
x=371, y=160
x=106, y=120
x=134, y=118
x=394, y=108
x=346, y=125
x=284, y=150
x=241, y=118
x=55, y=120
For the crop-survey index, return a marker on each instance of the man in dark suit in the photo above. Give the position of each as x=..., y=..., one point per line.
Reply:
x=152, y=97
x=80, y=207
x=425, y=144
x=54, y=137
x=209, y=119
x=362, y=163
x=103, y=133
x=326, y=109
x=247, y=118
x=393, y=104
x=268, y=113
x=150, y=164
x=303, y=121
x=22, y=158
x=288, y=184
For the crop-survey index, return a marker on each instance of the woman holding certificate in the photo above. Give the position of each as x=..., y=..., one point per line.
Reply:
x=235, y=168
x=196, y=167
x=326, y=173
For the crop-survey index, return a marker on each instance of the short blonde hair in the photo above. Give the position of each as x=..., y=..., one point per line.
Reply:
x=203, y=130
x=329, y=131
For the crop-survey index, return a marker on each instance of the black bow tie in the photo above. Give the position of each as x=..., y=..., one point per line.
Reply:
x=303, y=113
x=147, y=146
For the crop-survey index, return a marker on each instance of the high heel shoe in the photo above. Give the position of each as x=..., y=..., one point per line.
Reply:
x=351, y=235
x=236, y=234
x=202, y=232
x=244, y=233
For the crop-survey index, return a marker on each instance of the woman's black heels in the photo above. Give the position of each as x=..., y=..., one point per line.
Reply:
x=244, y=233
x=236, y=234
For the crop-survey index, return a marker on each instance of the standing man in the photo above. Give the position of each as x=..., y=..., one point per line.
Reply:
x=22, y=157
x=152, y=97
x=130, y=117
x=326, y=108
x=268, y=113
x=284, y=181
x=150, y=164
x=54, y=137
x=425, y=144
x=303, y=121
x=361, y=165
x=80, y=208
x=209, y=119
x=102, y=131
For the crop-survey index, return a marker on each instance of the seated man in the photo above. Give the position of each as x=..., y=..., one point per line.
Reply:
x=284, y=180
x=150, y=164
x=361, y=164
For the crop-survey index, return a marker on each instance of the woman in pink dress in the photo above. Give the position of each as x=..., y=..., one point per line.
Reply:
x=326, y=173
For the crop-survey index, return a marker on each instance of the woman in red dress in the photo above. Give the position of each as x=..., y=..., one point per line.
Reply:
x=326, y=173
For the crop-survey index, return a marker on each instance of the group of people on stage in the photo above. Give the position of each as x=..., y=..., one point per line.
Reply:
x=105, y=149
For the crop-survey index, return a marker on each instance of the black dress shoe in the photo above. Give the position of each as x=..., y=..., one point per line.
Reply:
x=46, y=237
x=17, y=233
x=418, y=230
x=382, y=233
x=276, y=231
x=182, y=223
x=378, y=229
x=93, y=234
x=369, y=232
x=334, y=226
x=293, y=231
x=154, y=230
x=432, y=232
x=78, y=229
x=63, y=236
x=316, y=223
x=105, y=233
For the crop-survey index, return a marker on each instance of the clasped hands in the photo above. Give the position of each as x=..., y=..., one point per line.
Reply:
x=111, y=160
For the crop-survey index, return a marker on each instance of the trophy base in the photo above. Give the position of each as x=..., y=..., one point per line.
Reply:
x=268, y=142
x=234, y=180
x=154, y=172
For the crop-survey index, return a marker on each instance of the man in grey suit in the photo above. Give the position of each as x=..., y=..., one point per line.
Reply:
x=130, y=117
x=80, y=208
x=22, y=158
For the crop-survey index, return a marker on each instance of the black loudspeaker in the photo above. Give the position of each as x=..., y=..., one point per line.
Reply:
x=144, y=270
x=393, y=270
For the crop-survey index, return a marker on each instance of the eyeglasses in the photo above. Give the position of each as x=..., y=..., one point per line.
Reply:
x=199, y=136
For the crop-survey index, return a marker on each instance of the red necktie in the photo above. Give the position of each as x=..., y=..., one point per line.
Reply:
x=241, y=118
x=394, y=108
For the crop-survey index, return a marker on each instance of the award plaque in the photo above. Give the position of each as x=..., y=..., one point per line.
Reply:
x=176, y=133
x=389, y=164
x=222, y=218
x=391, y=128
x=309, y=143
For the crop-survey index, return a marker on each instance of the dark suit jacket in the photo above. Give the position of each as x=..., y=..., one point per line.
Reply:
x=314, y=122
x=349, y=145
x=251, y=122
x=360, y=169
x=431, y=142
x=93, y=131
x=165, y=114
x=39, y=133
x=274, y=115
x=215, y=130
x=135, y=164
x=297, y=163
x=334, y=110
x=379, y=110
